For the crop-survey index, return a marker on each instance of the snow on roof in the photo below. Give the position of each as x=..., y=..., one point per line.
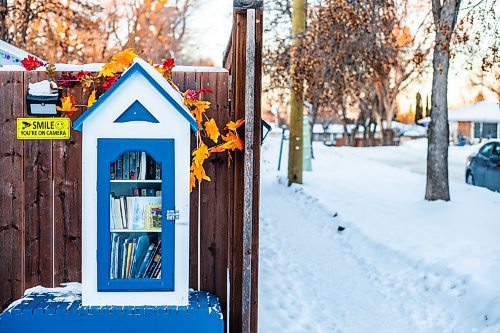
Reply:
x=11, y=55
x=158, y=82
x=481, y=112
x=487, y=112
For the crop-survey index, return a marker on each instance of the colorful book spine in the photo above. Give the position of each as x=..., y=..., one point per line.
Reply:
x=119, y=169
x=126, y=166
x=133, y=161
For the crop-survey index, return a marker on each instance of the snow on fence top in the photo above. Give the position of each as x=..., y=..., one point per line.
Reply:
x=96, y=67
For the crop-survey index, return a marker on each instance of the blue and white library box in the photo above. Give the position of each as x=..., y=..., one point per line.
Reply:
x=135, y=188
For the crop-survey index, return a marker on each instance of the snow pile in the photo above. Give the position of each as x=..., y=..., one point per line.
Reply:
x=69, y=292
x=42, y=88
x=402, y=264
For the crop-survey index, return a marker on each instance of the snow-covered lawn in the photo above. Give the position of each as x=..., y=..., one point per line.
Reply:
x=401, y=265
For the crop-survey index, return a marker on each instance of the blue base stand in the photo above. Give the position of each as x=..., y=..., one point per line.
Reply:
x=45, y=313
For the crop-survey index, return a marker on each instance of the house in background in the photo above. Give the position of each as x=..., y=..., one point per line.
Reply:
x=11, y=55
x=474, y=122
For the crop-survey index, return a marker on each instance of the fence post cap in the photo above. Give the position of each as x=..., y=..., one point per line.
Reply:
x=247, y=4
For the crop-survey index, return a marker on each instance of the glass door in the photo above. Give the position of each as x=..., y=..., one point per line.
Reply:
x=135, y=191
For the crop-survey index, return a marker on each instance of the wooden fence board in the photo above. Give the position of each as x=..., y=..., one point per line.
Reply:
x=238, y=111
x=38, y=206
x=40, y=193
x=214, y=199
x=11, y=189
x=67, y=158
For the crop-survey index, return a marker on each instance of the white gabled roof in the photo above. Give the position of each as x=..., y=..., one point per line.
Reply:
x=15, y=54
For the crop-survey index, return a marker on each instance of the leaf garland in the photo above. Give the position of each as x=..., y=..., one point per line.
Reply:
x=208, y=128
x=111, y=72
x=31, y=63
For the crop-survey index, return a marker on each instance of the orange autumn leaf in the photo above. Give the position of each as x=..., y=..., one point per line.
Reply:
x=200, y=154
x=125, y=57
x=68, y=105
x=91, y=99
x=198, y=108
x=233, y=142
x=192, y=181
x=233, y=126
x=110, y=69
x=212, y=130
x=199, y=173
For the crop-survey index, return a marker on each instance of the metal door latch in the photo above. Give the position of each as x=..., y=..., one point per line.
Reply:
x=173, y=215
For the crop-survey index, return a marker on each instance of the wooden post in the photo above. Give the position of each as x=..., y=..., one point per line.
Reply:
x=244, y=60
x=296, y=143
x=248, y=172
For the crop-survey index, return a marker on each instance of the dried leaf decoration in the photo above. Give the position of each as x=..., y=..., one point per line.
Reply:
x=68, y=105
x=233, y=126
x=200, y=154
x=119, y=63
x=212, y=130
x=199, y=172
x=31, y=63
x=91, y=99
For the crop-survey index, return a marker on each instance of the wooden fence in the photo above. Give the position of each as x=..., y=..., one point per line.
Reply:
x=40, y=197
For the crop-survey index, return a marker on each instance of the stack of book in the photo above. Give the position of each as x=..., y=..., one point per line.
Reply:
x=135, y=165
x=135, y=213
x=135, y=257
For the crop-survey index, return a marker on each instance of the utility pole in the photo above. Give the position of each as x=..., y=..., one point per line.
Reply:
x=296, y=142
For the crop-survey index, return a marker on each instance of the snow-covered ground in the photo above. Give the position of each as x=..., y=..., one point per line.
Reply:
x=401, y=265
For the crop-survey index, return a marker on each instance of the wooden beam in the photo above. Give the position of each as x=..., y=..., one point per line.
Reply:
x=248, y=171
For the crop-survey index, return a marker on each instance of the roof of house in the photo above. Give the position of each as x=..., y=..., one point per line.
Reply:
x=11, y=55
x=156, y=80
x=481, y=112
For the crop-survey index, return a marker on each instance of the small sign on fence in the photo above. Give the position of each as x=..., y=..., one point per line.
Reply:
x=43, y=128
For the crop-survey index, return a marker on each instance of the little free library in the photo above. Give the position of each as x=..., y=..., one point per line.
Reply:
x=130, y=192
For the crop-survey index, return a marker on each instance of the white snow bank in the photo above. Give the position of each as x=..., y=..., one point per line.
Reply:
x=402, y=265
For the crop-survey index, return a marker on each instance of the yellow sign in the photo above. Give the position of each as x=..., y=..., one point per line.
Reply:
x=43, y=128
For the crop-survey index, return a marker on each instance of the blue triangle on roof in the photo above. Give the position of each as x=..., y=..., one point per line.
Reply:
x=136, y=112
x=136, y=68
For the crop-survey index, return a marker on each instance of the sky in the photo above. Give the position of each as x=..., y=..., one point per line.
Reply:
x=210, y=28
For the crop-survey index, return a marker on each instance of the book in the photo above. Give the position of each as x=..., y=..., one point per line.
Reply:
x=144, y=192
x=145, y=261
x=119, y=169
x=140, y=251
x=150, y=168
x=156, y=259
x=123, y=257
x=142, y=172
x=153, y=217
x=132, y=172
x=129, y=255
x=123, y=212
x=112, y=171
x=157, y=171
x=126, y=166
x=156, y=271
x=150, y=192
x=135, y=192
x=136, y=213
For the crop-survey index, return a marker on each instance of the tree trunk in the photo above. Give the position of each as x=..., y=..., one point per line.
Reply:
x=445, y=17
x=296, y=142
x=3, y=20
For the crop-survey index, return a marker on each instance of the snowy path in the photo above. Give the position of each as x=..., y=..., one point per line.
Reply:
x=316, y=279
x=332, y=287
